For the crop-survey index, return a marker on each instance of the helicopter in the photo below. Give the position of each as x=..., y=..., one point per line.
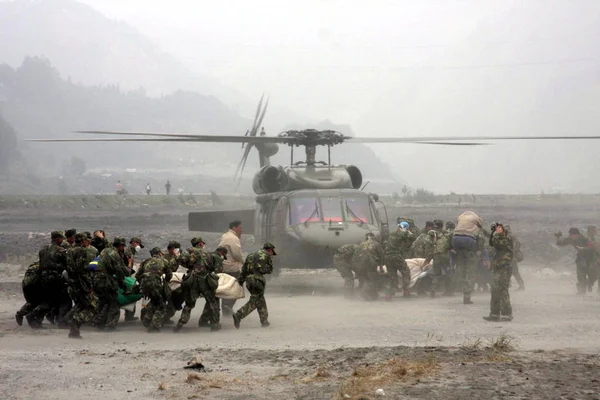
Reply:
x=308, y=208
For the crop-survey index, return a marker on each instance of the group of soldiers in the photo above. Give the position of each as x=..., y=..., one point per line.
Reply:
x=454, y=261
x=78, y=276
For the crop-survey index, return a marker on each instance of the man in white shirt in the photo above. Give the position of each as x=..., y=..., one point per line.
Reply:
x=235, y=259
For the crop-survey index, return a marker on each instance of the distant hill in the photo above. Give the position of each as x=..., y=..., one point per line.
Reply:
x=38, y=103
x=90, y=48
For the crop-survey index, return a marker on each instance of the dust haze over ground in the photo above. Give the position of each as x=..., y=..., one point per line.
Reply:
x=319, y=345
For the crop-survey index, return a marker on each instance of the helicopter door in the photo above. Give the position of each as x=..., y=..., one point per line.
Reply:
x=277, y=218
x=380, y=211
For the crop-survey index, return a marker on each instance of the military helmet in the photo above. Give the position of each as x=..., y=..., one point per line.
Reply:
x=119, y=241
x=269, y=246
x=88, y=235
x=57, y=234
x=450, y=225
x=197, y=240
x=155, y=251
x=173, y=244
x=80, y=237
x=137, y=239
x=573, y=231
x=70, y=232
x=438, y=223
x=370, y=235
x=429, y=224
x=223, y=250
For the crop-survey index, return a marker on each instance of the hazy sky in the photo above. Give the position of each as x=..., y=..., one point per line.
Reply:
x=470, y=67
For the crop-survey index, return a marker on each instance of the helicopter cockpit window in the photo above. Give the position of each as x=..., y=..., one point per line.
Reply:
x=304, y=209
x=332, y=210
x=358, y=210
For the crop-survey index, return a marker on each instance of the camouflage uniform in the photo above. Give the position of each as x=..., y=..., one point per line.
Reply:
x=424, y=247
x=109, y=276
x=517, y=257
x=594, y=270
x=442, y=265
x=396, y=252
x=150, y=277
x=53, y=262
x=211, y=312
x=199, y=281
x=468, y=251
x=256, y=266
x=342, y=260
x=501, y=270
x=80, y=285
x=367, y=257
x=32, y=290
x=583, y=261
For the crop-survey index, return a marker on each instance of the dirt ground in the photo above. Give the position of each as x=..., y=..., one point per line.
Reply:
x=319, y=345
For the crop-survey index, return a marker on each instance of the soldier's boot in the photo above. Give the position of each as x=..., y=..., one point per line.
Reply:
x=265, y=324
x=467, y=299
x=19, y=318
x=74, y=333
x=153, y=329
x=236, y=320
x=177, y=328
x=506, y=318
x=492, y=318
x=202, y=323
x=33, y=323
x=215, y=327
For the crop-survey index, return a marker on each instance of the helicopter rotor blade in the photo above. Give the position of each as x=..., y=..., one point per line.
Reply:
x=257, y=123
x=442, y=140
x=115, y=140
x=251, y=132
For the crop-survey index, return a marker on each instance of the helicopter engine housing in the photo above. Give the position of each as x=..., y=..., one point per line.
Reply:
x=271, y=179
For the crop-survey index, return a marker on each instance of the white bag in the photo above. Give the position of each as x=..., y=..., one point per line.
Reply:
x=229, y=288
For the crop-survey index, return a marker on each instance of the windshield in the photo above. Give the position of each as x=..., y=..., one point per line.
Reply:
x=357, y=209
x=332, y=209
x=304, y=209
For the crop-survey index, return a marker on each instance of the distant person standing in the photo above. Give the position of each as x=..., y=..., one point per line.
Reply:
x=148, y=188
x=262, y=131
x=119, y=187
x=235, y=259
x=168, y=187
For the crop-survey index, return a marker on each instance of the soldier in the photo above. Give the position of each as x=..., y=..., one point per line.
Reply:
x=200, y=280
x=152, y=285
x=135, y=246
x=80, y=283
x=467, y=245
x=501, y=241
x=592, y=231
x=211, y=313
x=256, y=266
x=32, y=291
x=108, y=278
x=442, y=267
x=397, y=250
x=367, y=257
x=584, y=259
x=70, y=238
x=438, y=227
x=429, y=226
x=172, y=256
x=99, y=241
x=342, y=260
x=424, y=247
x=168, y=187
x=53, y=260
x=517, y=258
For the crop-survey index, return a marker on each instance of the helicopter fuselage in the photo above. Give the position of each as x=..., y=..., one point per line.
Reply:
x=308, y=225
